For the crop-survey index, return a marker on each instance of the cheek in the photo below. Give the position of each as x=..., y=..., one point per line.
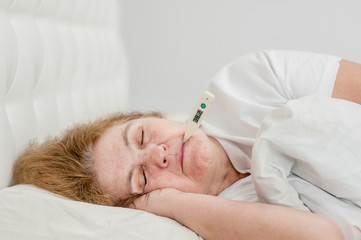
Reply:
x=202, y=168
x=202, y=156
x=164, y=181
x=173, y=181
x=166, y=129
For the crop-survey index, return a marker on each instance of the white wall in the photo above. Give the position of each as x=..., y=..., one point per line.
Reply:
x=176, y=46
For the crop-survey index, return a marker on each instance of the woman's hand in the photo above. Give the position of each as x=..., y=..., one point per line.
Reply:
x=216, y=218
x=157, y=202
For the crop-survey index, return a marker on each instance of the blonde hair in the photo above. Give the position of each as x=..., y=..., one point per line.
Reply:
x=63, y=164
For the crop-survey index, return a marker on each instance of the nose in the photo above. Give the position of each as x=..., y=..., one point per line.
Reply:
x=157, y=155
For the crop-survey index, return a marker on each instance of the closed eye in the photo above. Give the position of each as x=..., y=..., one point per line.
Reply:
x=141, y=137
x=145, y=180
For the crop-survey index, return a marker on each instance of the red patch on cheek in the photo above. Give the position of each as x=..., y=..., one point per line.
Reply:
x=169, y=178
x=162, y=181
x=164, y=178
x=204, y=155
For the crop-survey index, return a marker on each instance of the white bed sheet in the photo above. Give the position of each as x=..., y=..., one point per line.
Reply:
x=27, y=212
x=345, y=214
x=307, y=155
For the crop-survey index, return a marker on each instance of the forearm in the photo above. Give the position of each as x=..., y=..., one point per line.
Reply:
x=217, y=218
x=348, y=82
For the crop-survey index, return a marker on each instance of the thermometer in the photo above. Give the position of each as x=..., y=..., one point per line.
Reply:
x=194, y=121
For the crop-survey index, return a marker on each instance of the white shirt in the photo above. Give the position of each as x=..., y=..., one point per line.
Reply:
x=249, y=89
x=253, y=85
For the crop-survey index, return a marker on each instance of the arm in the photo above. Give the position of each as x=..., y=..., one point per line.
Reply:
x=348, y=82
x=218, y=218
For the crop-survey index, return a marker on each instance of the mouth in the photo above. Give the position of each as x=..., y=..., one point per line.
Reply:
x=181, y=156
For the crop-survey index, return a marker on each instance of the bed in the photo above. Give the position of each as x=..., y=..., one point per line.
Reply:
x=61, y=62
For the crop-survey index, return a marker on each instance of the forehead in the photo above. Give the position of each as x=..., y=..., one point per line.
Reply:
x=111, y=139
x=109, y=155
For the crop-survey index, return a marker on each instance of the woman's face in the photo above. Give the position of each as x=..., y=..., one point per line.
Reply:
x=148, y=154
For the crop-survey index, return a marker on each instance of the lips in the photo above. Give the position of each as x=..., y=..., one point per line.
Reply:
x=181, y=156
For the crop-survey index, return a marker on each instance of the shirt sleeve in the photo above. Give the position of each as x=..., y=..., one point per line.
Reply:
x=302, y=73
x=274, y=77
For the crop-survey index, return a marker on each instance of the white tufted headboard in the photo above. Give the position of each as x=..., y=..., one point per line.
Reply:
x=61, y=61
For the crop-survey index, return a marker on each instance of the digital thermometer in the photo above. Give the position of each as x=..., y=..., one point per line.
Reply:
x=194, y=121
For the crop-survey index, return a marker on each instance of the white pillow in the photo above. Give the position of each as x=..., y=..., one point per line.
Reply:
x=27, y=212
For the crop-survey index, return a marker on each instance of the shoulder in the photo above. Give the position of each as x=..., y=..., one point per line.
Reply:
x=280, y=58
x=282, y=73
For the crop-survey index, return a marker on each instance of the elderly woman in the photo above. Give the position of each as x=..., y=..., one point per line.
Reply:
x=139, y=160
